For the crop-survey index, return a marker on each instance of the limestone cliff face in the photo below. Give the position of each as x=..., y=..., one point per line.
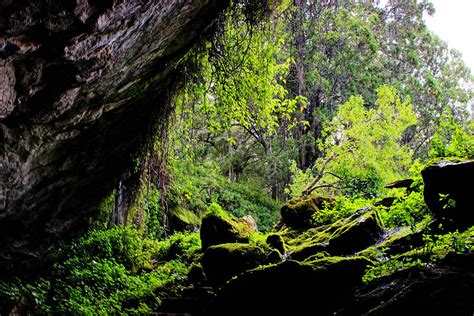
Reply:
x=80, y=84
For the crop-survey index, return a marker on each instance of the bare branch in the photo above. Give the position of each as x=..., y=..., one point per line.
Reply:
x=320, y=175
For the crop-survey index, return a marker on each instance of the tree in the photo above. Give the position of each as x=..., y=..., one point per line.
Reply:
x=363, y=149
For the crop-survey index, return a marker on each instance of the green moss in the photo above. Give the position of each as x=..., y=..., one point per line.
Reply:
x=222, y=262
x=436, y=161
x=258, y=238
x=434, y=249
x=318, y=256
x=221, y=227
x=345, y=233
x=293, y=285
x=186, y=216
x=397, y=241
x=298, y=214
x=275, y=241
x=346, y=236
x=358, y=262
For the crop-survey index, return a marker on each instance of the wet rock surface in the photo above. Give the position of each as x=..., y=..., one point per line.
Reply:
x=81, y=85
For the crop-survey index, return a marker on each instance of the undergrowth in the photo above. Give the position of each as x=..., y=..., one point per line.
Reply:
x=111, y=271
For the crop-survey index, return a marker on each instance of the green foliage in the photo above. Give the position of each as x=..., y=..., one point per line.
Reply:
x=111, y=271
x=153, y=213
x=102, y=286
x=389, y=267
x=435, y=248
x=125, y=245
x=181, y=246
x=199, y=187
x=242, y=199
x=35, y=293
x=341, y=208
x=243, y=89
x=452, y=139
x=366, y=142
x=299, y=181
x=362, y=150
x=408, y=209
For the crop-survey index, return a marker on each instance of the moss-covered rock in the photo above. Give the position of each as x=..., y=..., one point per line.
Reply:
x=317, y=256
x=275, y=241
x=447, y=194
x=298, y=214
x=221, y=228
x=321, y=287
x=358, y=234
x=345, y=237
x=181, y=219
x=222, y=262
x=396, y=242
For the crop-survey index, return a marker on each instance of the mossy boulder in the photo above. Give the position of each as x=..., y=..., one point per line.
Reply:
x=183, y=219
x=345, y=237
x=221, y=228
x=447, y=193
x=321, y=287
x=222, y=262
x=275, y=241
x=298, y=214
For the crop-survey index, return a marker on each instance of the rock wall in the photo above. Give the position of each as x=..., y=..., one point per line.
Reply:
x=81, y=82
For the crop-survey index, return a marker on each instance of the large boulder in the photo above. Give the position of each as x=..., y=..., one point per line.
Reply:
x=321, y=287
x=345, y=237
x=222, y=262
x=298, y=214
x=221, y=228
x=448, y=192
